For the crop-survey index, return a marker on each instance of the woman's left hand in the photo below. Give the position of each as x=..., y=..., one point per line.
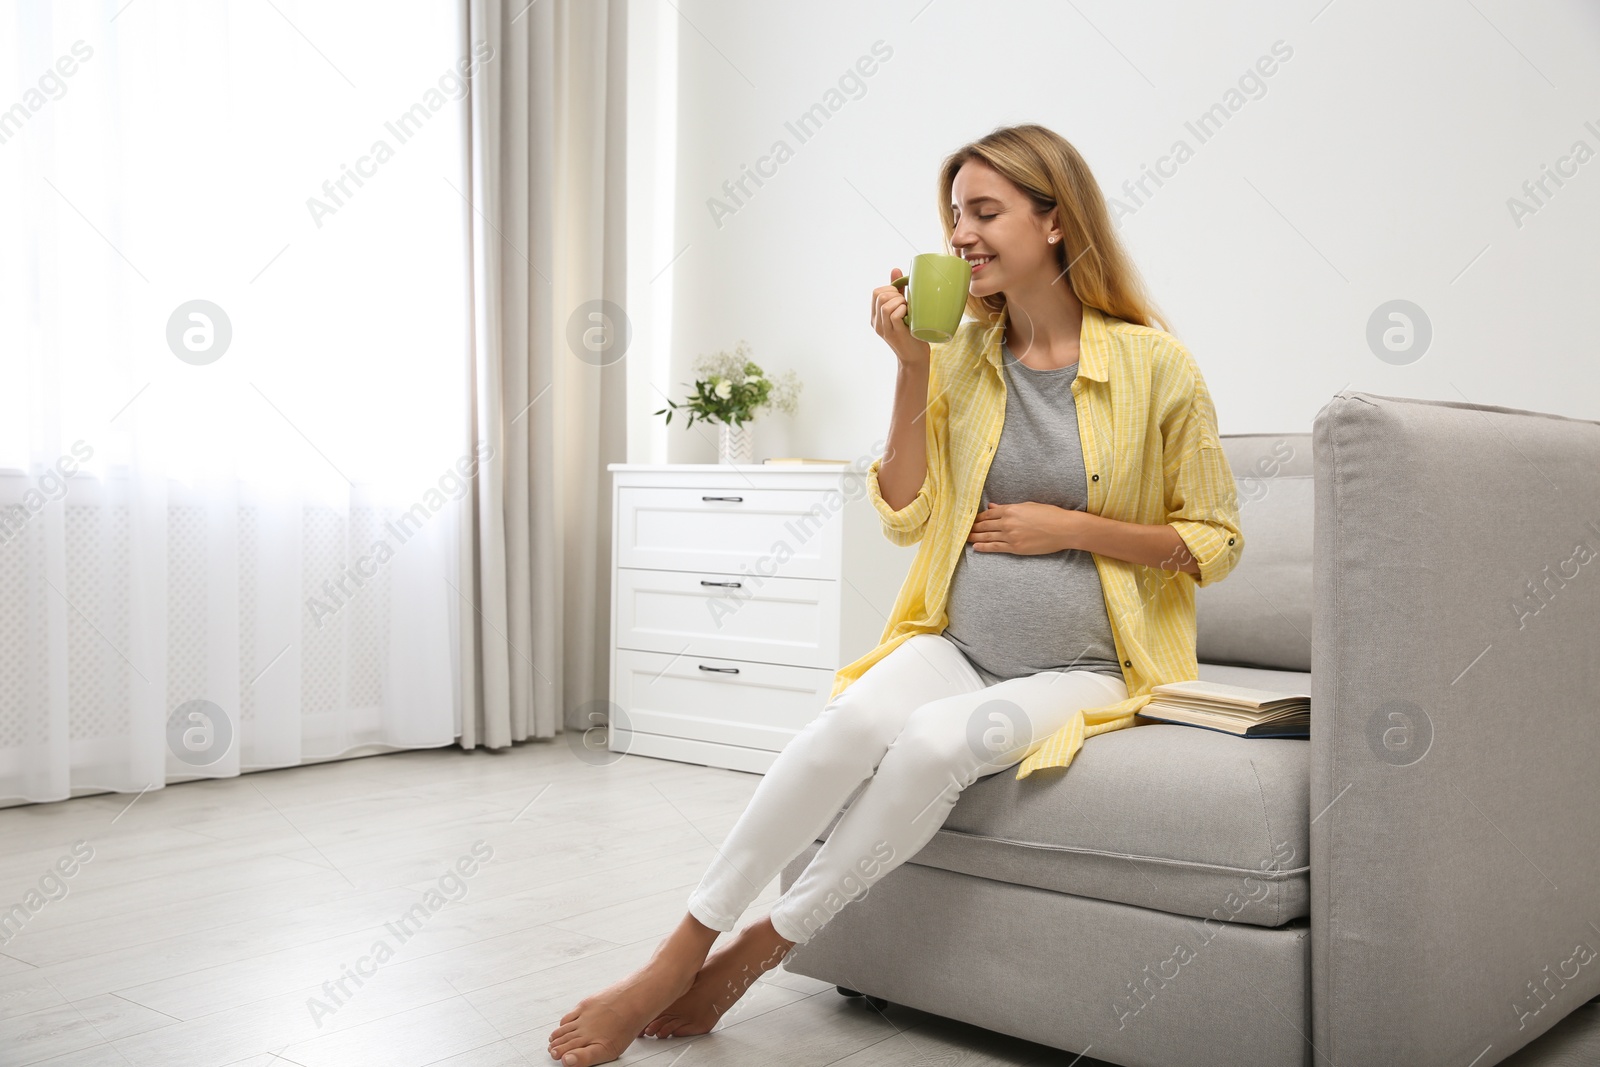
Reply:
x=1026, y=529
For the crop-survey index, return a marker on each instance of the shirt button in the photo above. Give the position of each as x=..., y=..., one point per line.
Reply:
x=1127, y=663
x=1230, y=540
x=1094, y=477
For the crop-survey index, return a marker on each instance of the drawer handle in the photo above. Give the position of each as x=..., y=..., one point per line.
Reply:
x=720, y=670
x=735, y=499
x=730, y=585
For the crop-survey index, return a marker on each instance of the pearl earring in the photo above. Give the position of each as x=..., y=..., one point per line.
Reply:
x=1052, y=239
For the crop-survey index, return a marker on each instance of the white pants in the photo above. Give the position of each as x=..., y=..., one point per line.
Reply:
x=902, y=740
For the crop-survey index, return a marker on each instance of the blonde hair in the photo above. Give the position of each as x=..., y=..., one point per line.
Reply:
x=1052, y=174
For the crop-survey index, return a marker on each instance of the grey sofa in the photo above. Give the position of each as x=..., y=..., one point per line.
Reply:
x=1416, y=884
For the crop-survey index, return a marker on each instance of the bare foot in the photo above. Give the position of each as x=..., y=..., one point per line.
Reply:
x=605, y=1023
x=726, y=976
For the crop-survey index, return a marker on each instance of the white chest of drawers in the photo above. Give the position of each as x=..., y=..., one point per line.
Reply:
x=736, y=593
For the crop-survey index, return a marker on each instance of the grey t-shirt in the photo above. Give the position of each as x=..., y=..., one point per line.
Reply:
x=1012, y=614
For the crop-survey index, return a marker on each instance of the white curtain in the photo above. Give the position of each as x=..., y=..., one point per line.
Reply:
x=237, y=443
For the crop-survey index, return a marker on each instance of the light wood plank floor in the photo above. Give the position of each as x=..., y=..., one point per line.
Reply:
x=210, y=918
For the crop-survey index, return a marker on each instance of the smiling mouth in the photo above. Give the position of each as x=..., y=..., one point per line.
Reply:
x=979, y=262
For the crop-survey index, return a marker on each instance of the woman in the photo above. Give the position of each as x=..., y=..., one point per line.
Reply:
x=1059, y=462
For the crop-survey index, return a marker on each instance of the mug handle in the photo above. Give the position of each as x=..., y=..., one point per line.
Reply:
x=900, y=284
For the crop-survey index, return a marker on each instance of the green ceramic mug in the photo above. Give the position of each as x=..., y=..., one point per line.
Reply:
x=938, y=295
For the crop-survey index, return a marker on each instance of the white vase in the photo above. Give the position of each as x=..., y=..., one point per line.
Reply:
x=735, y=444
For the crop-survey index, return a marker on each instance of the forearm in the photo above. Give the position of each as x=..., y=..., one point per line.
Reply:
x=905, y=461
x=1154, y=546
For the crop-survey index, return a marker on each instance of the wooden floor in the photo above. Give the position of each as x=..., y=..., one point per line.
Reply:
x=211, y=917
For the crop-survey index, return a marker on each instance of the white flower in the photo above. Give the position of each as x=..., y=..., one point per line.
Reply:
x=724, y=389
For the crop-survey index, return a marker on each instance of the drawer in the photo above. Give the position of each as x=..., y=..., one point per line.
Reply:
x=789, y=532
x=729, y=702
x=707, y=613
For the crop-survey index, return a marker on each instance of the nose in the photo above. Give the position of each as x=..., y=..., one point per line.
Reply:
x=962, y=236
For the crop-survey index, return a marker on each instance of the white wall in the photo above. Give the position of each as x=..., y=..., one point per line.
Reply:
x=1376, y=163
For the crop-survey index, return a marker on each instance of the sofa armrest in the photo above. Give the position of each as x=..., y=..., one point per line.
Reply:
x=1455, y=841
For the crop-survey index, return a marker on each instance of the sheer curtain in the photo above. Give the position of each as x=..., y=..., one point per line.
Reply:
x=237, y=451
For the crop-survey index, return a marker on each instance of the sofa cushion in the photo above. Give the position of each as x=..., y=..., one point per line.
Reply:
x=1260, y=615
x=1175, y=818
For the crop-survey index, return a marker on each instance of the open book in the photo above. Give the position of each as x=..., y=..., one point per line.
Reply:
x=1233, y=709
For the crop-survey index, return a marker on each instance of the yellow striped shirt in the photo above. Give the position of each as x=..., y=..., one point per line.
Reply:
x=1152, y=454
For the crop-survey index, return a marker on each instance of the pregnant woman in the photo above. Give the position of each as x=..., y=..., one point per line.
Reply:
x=1059, y=463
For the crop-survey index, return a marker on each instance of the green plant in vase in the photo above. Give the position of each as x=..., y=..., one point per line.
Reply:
x=729, y=390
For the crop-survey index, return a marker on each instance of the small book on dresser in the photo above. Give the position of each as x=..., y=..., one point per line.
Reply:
x=1234, y=709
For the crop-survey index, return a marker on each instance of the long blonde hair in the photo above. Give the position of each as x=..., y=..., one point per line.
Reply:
x=1046, y=167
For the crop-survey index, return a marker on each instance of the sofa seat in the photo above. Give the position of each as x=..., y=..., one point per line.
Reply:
x=1174, y=818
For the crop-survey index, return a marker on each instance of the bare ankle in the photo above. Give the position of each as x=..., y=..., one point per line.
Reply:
x=768, y=946
x=770, y=934
x=698, y=927
x=686, y=947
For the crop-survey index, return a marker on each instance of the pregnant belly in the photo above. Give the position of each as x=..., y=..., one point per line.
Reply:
x=1014, y=615
x=992, y=588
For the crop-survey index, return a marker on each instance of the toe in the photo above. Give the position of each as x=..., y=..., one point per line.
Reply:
x=567, y=1044
x=587, y=1056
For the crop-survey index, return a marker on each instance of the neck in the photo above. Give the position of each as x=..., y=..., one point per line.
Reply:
x=1045, y=317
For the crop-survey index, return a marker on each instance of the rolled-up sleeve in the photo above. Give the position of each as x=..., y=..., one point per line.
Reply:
x=1202, y=498
x=907, y=525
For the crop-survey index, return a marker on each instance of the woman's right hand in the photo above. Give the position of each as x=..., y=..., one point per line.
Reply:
x=889, y=308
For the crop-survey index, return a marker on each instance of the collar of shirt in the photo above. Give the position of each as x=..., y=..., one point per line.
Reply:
x=1094, y=345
